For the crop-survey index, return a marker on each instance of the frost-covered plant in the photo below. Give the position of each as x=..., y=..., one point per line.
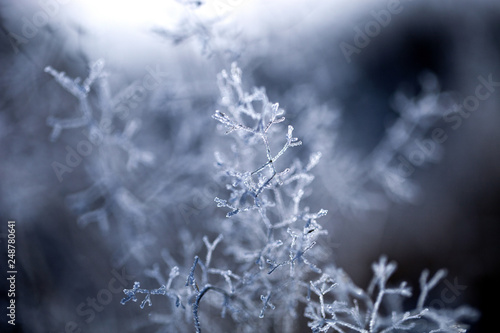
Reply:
x=380, y=308
x=384, y=175
x=272, y=229
x=273, y=263
x=102, y=133
x=129, y=186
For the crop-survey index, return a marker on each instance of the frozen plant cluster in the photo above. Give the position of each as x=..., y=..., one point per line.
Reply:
x=142, y=166
x=97, y=120
x=384, y=175
x=268, y=263
x=266, y=266
x=124, y=196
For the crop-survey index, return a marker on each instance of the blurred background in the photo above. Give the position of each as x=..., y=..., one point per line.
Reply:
x=401, y=98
